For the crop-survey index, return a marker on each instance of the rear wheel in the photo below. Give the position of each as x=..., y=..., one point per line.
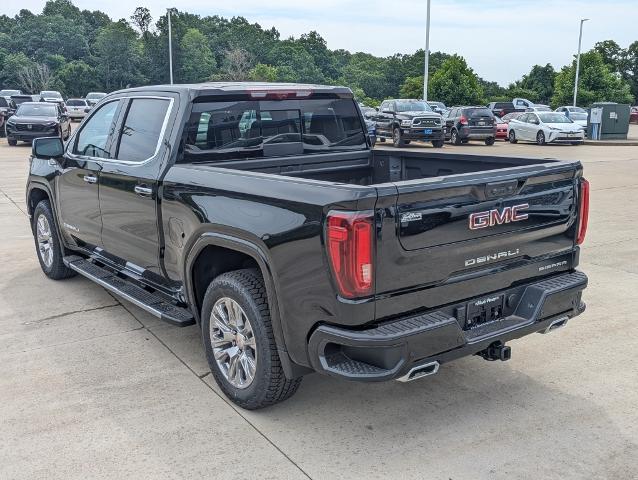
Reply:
x=12, y=141
x=540, y=138
x=454, y=138
x=397, y=138
x=239, y=341
x=512, y=137
x=489, y=141
x=381, y=139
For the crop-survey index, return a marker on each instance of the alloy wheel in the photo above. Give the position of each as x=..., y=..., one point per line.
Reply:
x=43, y=231
x=233, y=342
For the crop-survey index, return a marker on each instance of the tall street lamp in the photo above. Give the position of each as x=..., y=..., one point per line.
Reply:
x=170, y=45
x=427, y=54
x=580, y=39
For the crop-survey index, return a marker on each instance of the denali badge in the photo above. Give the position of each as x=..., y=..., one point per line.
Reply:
x=491, y=257
x=411, y=217
x=498, y=217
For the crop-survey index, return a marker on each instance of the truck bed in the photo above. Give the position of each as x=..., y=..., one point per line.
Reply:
x=378, y=166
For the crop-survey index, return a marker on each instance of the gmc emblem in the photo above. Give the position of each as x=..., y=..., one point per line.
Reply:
x=498, y=217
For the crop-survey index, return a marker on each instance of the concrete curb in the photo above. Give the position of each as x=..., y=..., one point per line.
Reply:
x=614, y=143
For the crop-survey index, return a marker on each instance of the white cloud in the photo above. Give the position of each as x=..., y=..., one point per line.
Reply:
x=501, y=39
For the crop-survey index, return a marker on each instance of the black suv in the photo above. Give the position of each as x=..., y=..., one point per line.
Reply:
x=405, y=120
x=463, y=124
x=37, y=119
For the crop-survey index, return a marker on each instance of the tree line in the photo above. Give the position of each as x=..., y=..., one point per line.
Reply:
x=77, y=51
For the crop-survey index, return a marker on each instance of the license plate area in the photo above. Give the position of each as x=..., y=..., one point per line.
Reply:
x=428, y=131
x=484, y=310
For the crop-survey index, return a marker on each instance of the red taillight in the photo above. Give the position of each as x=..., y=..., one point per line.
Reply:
x=463, y=120
x=583, y=212
x=349, y=239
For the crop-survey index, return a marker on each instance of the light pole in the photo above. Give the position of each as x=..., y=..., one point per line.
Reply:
x=427, y=54
x=170, y=45
x=580, y=39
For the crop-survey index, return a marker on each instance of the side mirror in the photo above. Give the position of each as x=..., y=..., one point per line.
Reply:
x=87, y=109
x=47, y=147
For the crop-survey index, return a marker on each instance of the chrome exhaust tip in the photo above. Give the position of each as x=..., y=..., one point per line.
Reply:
x=555, y=325
x=420, y=371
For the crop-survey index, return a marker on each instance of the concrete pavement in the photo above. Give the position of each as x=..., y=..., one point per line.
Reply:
x=93, y=387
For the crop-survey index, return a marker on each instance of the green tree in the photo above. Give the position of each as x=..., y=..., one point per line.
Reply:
x=118, y=56
x=12, y=65
x=412, y=88
x=596, y=83
x=539, y=81
x=197, y=61
x=454, y=83
x=142, y=19
x=78, y=78
x=612, y=54
x=263, y=73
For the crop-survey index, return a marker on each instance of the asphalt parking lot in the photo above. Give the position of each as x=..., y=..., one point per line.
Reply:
x=92, y=387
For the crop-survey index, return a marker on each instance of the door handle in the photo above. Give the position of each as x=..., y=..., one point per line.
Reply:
x=90, y=179
x=143, y=190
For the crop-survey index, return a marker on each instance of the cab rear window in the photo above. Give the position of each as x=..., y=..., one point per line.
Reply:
x=235, y=129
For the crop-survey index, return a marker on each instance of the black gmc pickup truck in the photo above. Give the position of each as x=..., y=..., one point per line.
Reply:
x=260, y=213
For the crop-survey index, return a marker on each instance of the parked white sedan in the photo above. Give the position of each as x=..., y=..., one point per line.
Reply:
x=545, y=127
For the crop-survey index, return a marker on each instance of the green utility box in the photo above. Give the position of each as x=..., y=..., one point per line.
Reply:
x=615, y=121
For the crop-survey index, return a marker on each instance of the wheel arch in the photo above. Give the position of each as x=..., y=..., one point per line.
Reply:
x=202, y=264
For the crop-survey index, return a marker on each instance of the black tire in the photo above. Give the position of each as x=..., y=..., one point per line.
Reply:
x=577, y=143
x=380, y=139
x=540, y=138
x=512, y=137
x=406, y=142
x=454, y=138
x=397, y=138
x=12, y=142
x=269, y=385
x=489, y=141
x=437, y=143
x=55, y=268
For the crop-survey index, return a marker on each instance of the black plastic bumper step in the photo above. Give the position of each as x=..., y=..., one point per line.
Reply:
x=152, y=303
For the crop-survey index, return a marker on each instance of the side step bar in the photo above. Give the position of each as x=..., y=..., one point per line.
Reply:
x=152, y=303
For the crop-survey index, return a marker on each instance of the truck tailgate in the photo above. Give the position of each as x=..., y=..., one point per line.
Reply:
x=478, y=231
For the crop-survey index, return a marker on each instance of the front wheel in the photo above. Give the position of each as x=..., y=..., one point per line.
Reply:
x=540, y=138
x=239, y=342
x=12, y=142
x=512, y=137
x=397, y=138
x=489, y=141
x=455, y=139
x=437, y=143
x=47, y=243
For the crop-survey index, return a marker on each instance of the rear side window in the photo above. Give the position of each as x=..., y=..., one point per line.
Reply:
x=139, y=139
x=231, y=130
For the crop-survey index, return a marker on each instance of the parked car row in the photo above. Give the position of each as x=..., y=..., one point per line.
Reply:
x=25, y=117
x=405, y=120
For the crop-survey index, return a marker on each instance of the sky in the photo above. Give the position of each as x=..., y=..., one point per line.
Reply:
x=500, y=39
